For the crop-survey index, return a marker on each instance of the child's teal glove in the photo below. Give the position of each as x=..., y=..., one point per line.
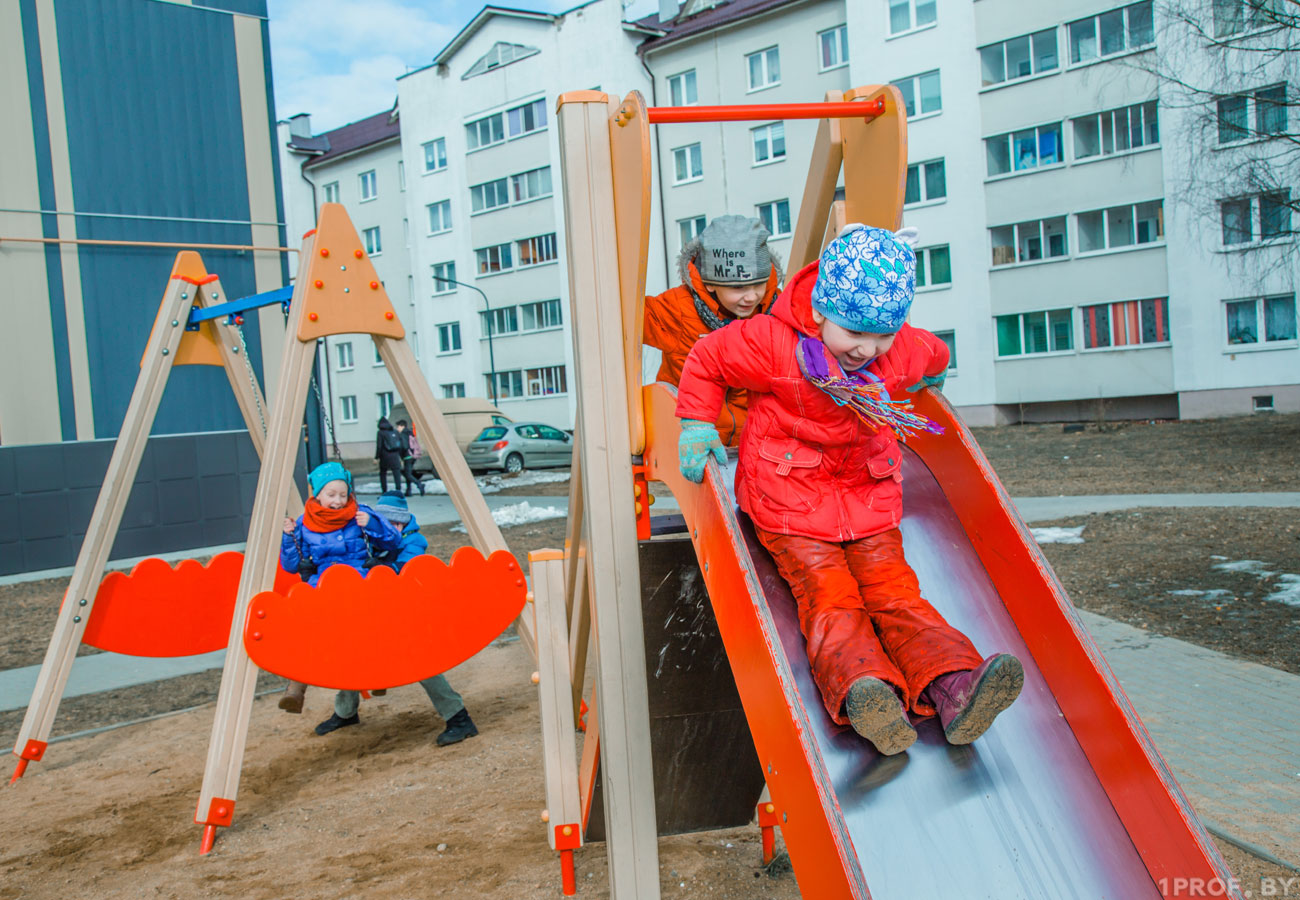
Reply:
x=934, y=381
x=698, y=442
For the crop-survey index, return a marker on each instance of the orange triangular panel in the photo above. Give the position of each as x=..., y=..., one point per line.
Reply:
x=389, y=629
x=342, y=289
x=197, y=348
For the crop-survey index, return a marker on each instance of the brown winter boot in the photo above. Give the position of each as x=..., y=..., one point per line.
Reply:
x=876, y=713
x=969, y=701
x=293, y=697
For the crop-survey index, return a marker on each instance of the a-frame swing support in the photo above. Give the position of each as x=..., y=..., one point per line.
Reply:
x=337, y=291
x=218, y=343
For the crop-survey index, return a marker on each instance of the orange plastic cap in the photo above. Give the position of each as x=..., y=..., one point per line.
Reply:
x=324, y=251
x=374, y=285
x=388, y=315
x=358, y=254
x=312, y=316
x=319, y=283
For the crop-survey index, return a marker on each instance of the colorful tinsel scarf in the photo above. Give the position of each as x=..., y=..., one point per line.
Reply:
x=868, y=399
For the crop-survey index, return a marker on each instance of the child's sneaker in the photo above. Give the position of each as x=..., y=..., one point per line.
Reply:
x=969, y=701
x=335, y=722
x=876, y=713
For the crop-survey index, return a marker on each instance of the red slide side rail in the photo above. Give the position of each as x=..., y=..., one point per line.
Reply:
x=764, y=112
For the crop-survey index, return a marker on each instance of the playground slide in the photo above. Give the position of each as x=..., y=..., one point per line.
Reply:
x=1065, y=797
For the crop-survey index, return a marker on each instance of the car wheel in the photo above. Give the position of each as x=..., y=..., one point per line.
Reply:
x=514, y=463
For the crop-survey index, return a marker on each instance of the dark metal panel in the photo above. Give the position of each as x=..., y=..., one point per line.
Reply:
x=166, y=141
x=49, y=223
x=248, y=7
x=1019, y=813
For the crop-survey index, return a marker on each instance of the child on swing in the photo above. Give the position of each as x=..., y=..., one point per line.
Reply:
x=819, y=475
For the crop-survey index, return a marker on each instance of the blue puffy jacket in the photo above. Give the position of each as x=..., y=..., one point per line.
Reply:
x=413, y=544
x=346, y=546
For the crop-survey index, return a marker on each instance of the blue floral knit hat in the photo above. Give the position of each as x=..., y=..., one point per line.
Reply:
x=866, y=279
x=327, y=472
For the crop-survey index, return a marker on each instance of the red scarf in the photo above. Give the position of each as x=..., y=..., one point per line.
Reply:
x=320, y=520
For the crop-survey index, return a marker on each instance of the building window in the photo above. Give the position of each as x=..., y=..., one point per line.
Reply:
x=688, y=164
x=1029, y=241
x=1277, y=314
x=1049, y=331
x=435, y=155
x=373, y=245
x=534, y=251
x=330, y=192
x=1121, y=226
x=531, y=185
x=540, y=316
x=1020, y=57
x=1020, y=151
x=503, y=320
x=485, y=132
x=764, y=68
x=926, y=182
x=681, y=89
x=379, y=360
x=449, y=337
x=401, y=175
x=833, y=45
x=769, y=142
x=1237, y=16
x=489, y=195
x=546, y=381
x=385, y=403
x=933, y=266
x=453, y=390
x=439, y=216
x=776, y=217
x=1126, y=323
x=508, y=384
x=494, y=259
x=1269, y=106
x=527, y=118
x=1116, y=130
x=369, y=185
x=690, y=229
x=949, y=338
x=348, y=408
x=1110, y=33
x=444, y=277
x=904, y=15
x=1272, y=211
x=926, y=87
x=344, y=351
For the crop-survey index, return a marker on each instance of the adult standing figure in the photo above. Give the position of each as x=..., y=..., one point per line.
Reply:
x=410, y=453
x=390, y=446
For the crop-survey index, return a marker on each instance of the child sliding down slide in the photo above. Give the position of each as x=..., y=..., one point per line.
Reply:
x=820, y=476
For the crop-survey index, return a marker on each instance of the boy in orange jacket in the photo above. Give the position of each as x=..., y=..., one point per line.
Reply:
x=728, y=274
x=819, y=474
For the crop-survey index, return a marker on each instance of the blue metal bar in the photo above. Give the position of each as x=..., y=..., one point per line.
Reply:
x=232, y=308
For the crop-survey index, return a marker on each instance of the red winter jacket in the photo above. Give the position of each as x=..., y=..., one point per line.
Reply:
x=807, y=466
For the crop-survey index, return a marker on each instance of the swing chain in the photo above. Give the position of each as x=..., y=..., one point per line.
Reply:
x=325, y=417
x=252, y=377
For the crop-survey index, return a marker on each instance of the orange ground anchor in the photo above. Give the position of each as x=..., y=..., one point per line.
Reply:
x=567, y=839
x=767, y=822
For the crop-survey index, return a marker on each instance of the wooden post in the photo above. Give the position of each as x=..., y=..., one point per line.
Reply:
x=604, y=439
x=818, y=192
x=560, y=758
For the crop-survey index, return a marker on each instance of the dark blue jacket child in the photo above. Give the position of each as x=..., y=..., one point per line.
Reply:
x=392, y=506
x=331, y=531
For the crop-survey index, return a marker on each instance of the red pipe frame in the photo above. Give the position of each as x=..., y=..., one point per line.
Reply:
x=668, y=115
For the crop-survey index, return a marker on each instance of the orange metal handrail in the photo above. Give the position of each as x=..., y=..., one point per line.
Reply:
x=666, y=115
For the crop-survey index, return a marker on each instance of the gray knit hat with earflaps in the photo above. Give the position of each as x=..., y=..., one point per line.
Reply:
x=731, y=250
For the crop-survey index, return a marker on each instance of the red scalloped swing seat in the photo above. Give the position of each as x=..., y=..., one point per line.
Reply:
x=387, y=629
x=158, y=609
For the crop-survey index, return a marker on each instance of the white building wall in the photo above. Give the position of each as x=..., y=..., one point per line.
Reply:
x=586, y=48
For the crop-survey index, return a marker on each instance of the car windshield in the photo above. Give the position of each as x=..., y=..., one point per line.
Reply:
x=491, y=434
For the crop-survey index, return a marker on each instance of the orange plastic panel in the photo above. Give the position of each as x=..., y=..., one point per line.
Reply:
x=160, y=610
x=389, y=629
x=336, y=281
x=197, y=348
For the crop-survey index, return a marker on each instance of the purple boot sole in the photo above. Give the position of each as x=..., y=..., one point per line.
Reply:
x=969, y=701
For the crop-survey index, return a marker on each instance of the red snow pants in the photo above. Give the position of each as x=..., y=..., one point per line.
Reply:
x=862, y=614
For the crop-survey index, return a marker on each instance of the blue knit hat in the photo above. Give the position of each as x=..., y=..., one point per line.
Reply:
x=392, y=506
x=866, y=279
x=327, y=472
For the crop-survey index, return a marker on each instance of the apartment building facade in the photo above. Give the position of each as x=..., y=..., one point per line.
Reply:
x=482, y=155
x=359, y=165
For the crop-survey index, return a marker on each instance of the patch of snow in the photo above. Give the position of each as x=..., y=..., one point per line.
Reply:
x=1287, y=590
x=520, y=514
x=487, y=484
x=1058, y=535
x=1212, y=594
x=1248, y=566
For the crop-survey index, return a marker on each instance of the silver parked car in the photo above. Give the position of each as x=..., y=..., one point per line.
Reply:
x=519, y=445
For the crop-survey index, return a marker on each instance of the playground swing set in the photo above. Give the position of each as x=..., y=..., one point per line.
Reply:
x=1066, y=797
